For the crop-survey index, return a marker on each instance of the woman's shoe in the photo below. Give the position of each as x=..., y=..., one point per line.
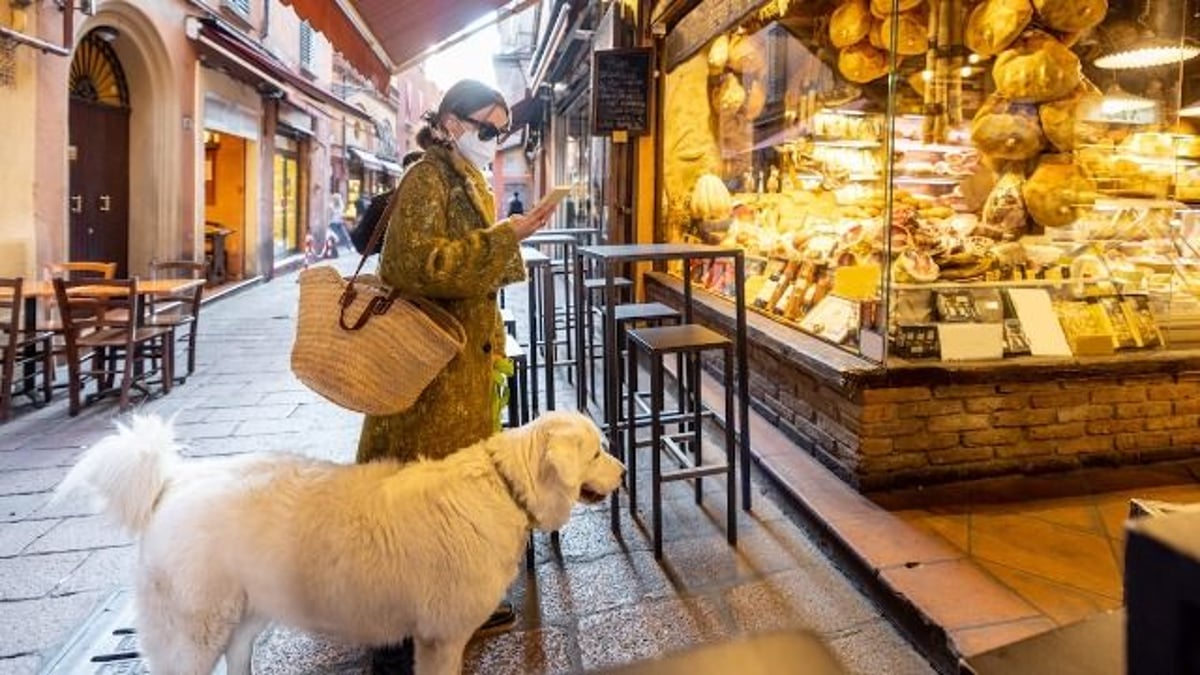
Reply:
x=503, y=619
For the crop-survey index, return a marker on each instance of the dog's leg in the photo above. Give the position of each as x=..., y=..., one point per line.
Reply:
x=440, y=657
x=176, y=636
x=239, y=655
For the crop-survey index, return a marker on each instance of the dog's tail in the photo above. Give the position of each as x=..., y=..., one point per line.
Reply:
x=127, y=471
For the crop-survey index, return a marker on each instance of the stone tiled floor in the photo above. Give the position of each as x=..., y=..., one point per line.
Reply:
x=1056, y=541
x=605, y=601
x=985, y=563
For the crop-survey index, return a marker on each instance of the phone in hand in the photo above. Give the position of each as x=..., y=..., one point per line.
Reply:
x=554, y=196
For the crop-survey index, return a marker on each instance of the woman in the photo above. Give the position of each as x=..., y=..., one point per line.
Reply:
x=442, y=244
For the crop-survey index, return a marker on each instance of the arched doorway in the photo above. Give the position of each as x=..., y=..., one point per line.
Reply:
x=99, y=154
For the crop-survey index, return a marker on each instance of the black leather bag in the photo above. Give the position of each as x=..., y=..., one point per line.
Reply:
x=364, y=231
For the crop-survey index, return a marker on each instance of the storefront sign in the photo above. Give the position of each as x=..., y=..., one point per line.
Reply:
x=702, y=24
x=621, y=88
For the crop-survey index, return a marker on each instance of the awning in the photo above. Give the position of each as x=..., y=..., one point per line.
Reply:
x=391, y=167
x=227, y=50
x=529, y=111
x=214, y=52
x=406, y=28
x=367, y=159
x=401, y=29
x=356, y=43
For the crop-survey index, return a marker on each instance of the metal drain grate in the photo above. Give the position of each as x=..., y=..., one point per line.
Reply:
x=105, y=644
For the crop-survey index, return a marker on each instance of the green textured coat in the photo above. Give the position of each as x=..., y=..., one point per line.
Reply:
x=443, y=243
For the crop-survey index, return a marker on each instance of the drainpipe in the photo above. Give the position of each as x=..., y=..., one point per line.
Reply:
x=266, y=24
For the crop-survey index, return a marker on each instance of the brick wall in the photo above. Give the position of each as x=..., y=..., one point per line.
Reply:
x=878, y=428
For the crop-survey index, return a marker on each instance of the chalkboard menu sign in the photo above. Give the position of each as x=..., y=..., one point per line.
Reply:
x=702, y=24
x=621, y=88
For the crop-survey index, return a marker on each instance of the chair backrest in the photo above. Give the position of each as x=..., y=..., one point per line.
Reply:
x=96, y=305
x=10, y=316
x=181, y=269
x=82, y=270
x=177, y=269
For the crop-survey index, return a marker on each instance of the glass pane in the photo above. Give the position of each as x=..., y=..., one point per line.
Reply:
x=770, y=148
x=914, y=179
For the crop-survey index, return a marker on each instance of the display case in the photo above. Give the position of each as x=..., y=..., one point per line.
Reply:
x=939, y=181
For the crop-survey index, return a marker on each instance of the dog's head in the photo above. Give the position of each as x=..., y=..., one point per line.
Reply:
x=567, y=464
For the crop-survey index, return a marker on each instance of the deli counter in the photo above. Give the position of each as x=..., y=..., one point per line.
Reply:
x=972, y=229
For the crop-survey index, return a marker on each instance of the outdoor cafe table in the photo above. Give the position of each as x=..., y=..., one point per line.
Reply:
x=609, y=257
x=580, y=233
x=32, y=291
x=564, y=242
x=539, y=273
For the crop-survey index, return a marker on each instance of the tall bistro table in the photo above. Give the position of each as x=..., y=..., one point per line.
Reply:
x=540, y=277
x=609, y=257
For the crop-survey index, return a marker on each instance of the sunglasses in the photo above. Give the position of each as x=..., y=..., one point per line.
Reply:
x=487, y=130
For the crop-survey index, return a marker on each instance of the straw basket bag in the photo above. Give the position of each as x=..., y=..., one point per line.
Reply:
x=365, y=347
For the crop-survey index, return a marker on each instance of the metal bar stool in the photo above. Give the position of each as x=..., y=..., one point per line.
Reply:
x=644, y=314
x=692, y=341
x=518, y=382
x=560, y=248
x=509, y=320
x=593, y=289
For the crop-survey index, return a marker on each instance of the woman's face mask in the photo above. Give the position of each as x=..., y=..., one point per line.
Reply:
x=478, y=141
x=478, y=152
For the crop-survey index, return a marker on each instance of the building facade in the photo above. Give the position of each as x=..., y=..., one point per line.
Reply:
x=181, y=129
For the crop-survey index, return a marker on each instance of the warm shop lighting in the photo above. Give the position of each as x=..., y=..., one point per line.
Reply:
x=1117, y=102
x=1149, y=52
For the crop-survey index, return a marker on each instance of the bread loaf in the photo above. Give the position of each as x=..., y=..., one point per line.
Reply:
x=994, y=24
x=911, y=33
x=1071, y=16
x=1036, y=68
x=1004, y=129
x=850, y=23
x=862, y=63
x=1066, y=123
x=1056, y=190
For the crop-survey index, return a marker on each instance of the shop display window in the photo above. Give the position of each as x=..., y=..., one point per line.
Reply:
x=935, y=179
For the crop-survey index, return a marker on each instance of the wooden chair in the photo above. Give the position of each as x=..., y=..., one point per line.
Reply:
x=74, y=271
x=182, y=310
x=102, y=328
x=70, y=271
x=20, y=348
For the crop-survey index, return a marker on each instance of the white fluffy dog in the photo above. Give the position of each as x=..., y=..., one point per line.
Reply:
x=362, y=553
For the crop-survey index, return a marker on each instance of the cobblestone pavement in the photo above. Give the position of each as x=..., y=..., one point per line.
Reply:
x=604, y=601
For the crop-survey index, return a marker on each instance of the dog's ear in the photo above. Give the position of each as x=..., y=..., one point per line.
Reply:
x=562, y=455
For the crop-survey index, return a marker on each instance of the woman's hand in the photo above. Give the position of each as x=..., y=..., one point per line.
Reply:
x=534, y=219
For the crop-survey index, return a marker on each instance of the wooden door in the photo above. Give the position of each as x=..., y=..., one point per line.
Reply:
x=99, y=175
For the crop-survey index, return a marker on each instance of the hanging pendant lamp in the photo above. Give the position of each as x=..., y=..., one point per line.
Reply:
x=1150, y=49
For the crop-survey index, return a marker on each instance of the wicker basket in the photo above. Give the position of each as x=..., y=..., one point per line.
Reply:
x=374, y=352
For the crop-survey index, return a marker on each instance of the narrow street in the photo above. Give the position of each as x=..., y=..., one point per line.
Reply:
x=605, y=602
